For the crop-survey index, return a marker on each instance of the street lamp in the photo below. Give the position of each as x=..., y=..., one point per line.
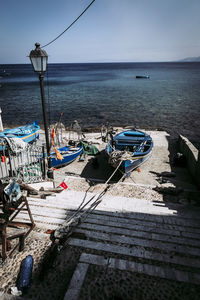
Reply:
x=39, y=59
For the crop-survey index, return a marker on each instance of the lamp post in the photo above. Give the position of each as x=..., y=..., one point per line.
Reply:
x=1, y=124
x=39, y=60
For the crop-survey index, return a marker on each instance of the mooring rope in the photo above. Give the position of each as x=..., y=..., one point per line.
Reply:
x=118, y=156
x=96, y=202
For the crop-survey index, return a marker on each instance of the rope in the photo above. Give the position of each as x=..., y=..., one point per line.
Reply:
x=116, y=156
x=69, y=25
x=95, y=203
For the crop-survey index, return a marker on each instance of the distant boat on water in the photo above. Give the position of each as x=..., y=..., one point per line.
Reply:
x=4, y=73
x=142, y=76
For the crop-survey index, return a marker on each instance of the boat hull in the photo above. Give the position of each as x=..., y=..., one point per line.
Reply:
x=69, y=155
x=138, y=144
x=28, y=133
x=142, y=76
x=130, y=165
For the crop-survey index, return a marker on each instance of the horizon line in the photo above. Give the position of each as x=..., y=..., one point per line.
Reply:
x=111, y=62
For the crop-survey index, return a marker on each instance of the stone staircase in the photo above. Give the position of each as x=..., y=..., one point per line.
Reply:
x=128, y=248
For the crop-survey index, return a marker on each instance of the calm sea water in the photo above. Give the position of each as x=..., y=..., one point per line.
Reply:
x=95, y=94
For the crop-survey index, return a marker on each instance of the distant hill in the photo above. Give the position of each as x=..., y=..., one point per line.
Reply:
x=187, y=59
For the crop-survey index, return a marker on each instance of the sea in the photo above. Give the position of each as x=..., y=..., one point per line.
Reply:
x=99, y=93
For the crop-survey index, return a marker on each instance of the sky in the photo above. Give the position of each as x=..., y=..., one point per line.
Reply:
x=110, y=31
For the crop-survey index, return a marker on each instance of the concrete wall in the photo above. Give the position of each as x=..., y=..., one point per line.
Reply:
x=193, y=157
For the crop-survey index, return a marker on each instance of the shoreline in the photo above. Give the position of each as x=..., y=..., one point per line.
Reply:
x=90, y=129
x=96, y=95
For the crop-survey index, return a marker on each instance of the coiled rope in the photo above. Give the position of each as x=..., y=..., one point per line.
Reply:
x=118, y=156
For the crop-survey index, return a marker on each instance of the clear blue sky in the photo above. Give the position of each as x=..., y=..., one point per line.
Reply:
x=111, y=30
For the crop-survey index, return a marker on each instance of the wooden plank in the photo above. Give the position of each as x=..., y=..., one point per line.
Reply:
x=174, y=220
x=41, y=219
x=190, y=234
x=154, y=213
x=121, y=239
x=141, y=234
x=50, y=212
x=138, y=252
x=131, y=266
x=54, y=204
x=76, y=282
x=113, y=228
x=51, y=216
x=124, y=219
x=171, y=220
x=64, y=215
x=126, y=225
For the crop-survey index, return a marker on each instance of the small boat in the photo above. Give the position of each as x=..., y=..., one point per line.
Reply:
x=142, y=76
x=28, y=133
x=69, y=154
x=130, y=149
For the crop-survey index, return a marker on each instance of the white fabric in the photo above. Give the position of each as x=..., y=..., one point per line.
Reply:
x=16, y=145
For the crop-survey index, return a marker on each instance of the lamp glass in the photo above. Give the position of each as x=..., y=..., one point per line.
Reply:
x=39, y=63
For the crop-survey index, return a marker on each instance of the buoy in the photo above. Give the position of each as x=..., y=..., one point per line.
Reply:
x=24, y=279
x=139, y=170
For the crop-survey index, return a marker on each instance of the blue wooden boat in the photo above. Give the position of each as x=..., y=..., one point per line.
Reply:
x=28, y=133
x=131, y=148
x=69, y=154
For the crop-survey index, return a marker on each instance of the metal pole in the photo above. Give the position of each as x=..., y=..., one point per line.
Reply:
x=1, y=124
x=50, y=171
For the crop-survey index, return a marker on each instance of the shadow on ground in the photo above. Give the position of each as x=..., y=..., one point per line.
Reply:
x=99, y=169
x=161, y=258
x=177, y=186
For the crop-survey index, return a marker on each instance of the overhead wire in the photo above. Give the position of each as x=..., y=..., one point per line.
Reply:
x=70, y=25
x=55, y=40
